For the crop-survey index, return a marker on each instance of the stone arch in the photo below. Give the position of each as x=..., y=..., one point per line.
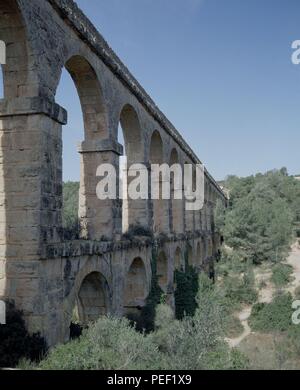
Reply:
x=17, y=79
x=95, y=123
x=132, y=133
x=133, y=210
x=91, y=97
x=160, y=206
x=176, y=204
x=162, y=271
x=178, y=259
x=135, y=292
x=93, y=298
x=156, y=149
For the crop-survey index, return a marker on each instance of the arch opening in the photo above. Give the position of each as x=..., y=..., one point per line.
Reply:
x=79, y=91
x=136, y=290
x=160, y=212
x=72, y=134
x=17, y=80
x=92, y=300
x=129, y=136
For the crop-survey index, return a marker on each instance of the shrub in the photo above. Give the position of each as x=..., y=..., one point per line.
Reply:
x=234, y=327
x=239, y=291
x=15, y=341
x=186, y=291
x=281, y=274
x=274, y=316
x=137, y=231
x=109, y=344
x=190, y=344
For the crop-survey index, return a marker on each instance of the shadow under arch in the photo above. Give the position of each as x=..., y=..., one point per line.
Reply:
x=17, y=79
x=132, y=134
x=136, y=290
x=93, y=298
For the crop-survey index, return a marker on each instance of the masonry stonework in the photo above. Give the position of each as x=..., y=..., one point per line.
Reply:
x=102, y=272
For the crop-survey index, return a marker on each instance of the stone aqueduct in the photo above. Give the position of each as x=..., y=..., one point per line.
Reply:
x=102, y=272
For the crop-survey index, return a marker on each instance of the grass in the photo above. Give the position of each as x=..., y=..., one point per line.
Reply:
x=281, y=275
x=234, y=327
x=274, y=316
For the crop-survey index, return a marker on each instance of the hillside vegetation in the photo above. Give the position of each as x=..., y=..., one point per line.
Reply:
x=259, y=226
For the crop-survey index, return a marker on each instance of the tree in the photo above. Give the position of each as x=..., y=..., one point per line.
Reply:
x=263, y=210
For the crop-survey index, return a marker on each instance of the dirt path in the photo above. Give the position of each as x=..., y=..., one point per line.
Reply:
x=294, y=261
x=243, y=317
x=266, y=293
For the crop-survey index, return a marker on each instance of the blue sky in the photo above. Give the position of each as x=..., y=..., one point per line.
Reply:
x=220, y=70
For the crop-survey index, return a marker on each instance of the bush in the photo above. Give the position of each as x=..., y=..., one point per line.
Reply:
x=190, y=344
x=196, y=342
x=186, y=292
x=15, y=341
x=234, y=327
x=281, y=274
x=109, y=344
x=239, y=291
x=137, y=231
x=274, y=316
x=261, y=215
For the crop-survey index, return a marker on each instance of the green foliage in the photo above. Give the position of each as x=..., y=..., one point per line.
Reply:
x=145, y=322
x=191, y=344
x=281, y=274
x=219, y=216
x=240, y=290
x=137, y=231
x=262, y=215
x=16, y=343
x=274, y=316
x=70, y=210
x=109, y=344
x=234, y=327
x=186, y=291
